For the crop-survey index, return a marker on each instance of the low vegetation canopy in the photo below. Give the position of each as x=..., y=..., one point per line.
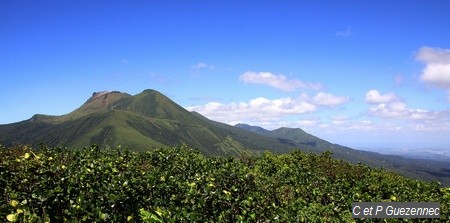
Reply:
x=182, y=185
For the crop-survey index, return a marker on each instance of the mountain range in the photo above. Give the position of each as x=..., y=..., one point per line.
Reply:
x=151, y=120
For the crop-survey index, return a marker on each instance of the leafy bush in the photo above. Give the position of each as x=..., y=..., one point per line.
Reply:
x=181, y=185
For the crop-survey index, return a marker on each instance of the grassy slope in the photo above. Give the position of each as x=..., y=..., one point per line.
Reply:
x=248, y=139
x=145, y=121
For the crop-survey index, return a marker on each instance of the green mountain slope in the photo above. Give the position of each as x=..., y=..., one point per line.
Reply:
x=255, y=129
x=144, y=121
x=248, y=139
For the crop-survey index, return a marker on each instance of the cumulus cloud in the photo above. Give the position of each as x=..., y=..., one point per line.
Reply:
x=326, y=99
x=389, y=110
x=437, y=67
x=261, y=109
x=400, y=110
x=392, y=106
x=276, y=81
x=374, y=97
x=433, y=55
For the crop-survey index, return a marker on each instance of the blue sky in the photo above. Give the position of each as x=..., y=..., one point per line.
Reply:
x=366, y=74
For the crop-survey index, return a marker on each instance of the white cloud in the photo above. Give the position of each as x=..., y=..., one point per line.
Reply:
x=391, y=106
x=389, y=110
x=328, y=99
x=374, y=97
x=433, y=55
x=276, y=81
x=399, y=110
x=437, y=67
x=202, y=65
x=437, y=74
x=258, y=109
x=344, y=33
x=272, y=112
x=124, y=61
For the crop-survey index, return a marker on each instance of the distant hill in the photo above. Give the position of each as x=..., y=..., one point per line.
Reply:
x=255, y=129
x=151, y=120
x=417, y=168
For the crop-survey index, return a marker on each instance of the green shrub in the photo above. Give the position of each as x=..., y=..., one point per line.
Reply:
x=181, y=185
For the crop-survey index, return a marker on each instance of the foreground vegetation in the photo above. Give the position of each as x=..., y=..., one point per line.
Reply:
x=181, y=185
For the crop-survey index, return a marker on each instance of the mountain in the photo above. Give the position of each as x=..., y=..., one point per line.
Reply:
x=151, y=120
x=140, y=122
x=255, y=129
x=417, y=168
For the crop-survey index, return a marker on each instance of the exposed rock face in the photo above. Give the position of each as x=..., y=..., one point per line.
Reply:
x=103, y=94
x=102, y=99
x=96, y=95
